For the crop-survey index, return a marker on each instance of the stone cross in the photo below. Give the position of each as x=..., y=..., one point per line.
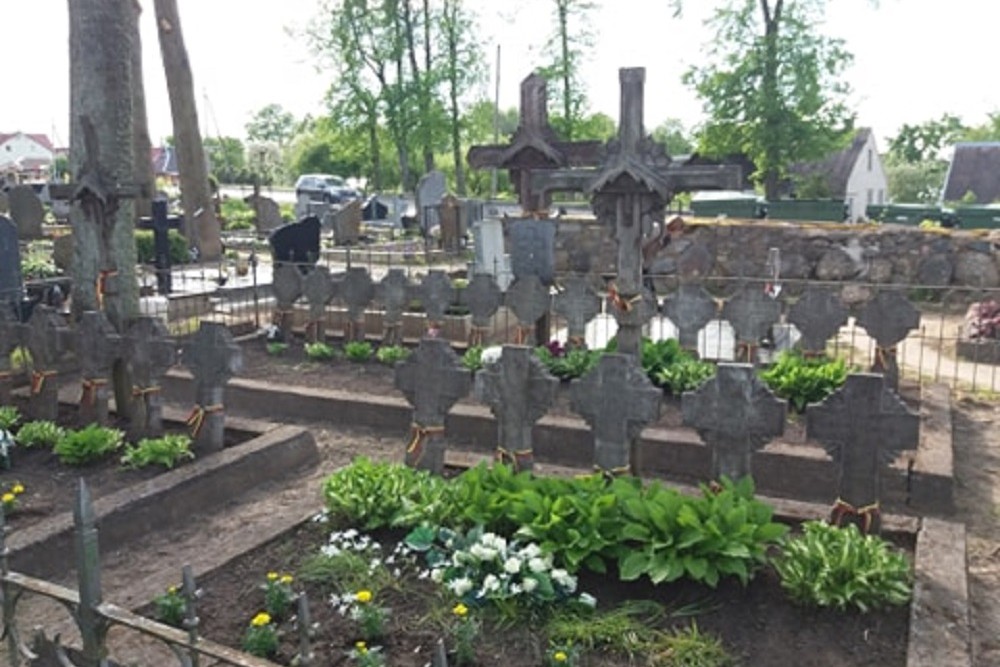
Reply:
x=482, y=297
x=534, y=147
x=753, y=313
x=432, y=379
x=98, y=345
x=213, y=358
x=736, y=414
x=519, y=391
x=150, y=353
x=690, y=308
x=10, y=338
x=46, y=338
x=529, y=300
x=863, y=425
x=888, y=318
x=577, y=303
x=436, y=294
x=617, y=399
x=11, y=291
x=818, y=314
x=287, y=287
x=356, y=290
x=394, y=293
x=319, y=291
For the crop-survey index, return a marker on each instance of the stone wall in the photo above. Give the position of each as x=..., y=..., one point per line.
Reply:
x=867, y=253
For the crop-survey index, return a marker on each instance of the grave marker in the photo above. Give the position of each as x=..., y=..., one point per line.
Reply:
x=863, y=425
x=319, y=291
x=27, y=211
x=430, y=191
x=150, y=353
x=433, y=380
x=519, y=390
x=357, y=290
x=532, y=249
x=529, y=300
x=690, y=308
x=345, y=222
x=213, y=358
x=11, y=289
x=45, y=336
x=736, y=414
x=818, y=314
x=394, y=293
x=490, y=256
x=161, y=224
x=436, y=294
x=753, y=313
x=287, y=288
x=888, y=318
x=578, y=304
x=452, y=232
x=98, y=345
x=617, y=399
x=267, y=213
x=483, y=298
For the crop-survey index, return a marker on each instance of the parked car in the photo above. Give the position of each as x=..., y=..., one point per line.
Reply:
x=325, y=187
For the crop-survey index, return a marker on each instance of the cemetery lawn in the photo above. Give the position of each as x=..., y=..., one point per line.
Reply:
x=758, y=625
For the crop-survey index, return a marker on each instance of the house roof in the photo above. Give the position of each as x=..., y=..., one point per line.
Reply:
x=975, y=167
x=835, y=168
x=40, y=139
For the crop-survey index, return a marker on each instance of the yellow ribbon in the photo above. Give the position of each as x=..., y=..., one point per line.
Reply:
x=620, y=302
x=314, y=326
x=102, y=285
x=577, y=342
x=38, y=380
x=523, y=334
x=477, y=335
x=882, y=356
x=868, y=513
x=418, y=437
x=197, y=417
x=90, y=387
x=513, y=457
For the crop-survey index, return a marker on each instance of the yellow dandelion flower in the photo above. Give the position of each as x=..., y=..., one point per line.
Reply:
x=361, y=647
x=263, y=618
x=272, y=576
x=17, y=489
x=460, y=610
x=286, y=579
x=560, y=656
x=8, y=498
x=172, y=590
x=363, y=597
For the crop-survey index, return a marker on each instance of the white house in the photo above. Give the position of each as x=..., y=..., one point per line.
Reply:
x=855, y=174
x=25, y=157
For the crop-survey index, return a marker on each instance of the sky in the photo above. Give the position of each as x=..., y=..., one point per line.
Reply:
x=913, y=61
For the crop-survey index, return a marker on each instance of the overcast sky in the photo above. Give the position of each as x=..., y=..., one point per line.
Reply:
x=913, y=59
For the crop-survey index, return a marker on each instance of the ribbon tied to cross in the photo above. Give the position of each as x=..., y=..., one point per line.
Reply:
x=38, y=379
x=620, y=302
x=843, y=509
x=196, y=419
x=883, y=357
x=143, y=392
x=418, y=438
x=516, y=458
x=90, y=389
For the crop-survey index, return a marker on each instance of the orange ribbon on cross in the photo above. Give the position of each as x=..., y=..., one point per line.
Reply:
x=418, y=437
x=90, y=387
x=867, y=514
x=620, y=302
x=38, y=380
x=102, y=285
x=197, y=417
x=523, y=334
x=882, y=356
x=477, y=335
x=515, y=458
x=142, y=392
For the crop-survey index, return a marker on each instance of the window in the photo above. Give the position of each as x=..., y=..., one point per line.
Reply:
x=869, y=159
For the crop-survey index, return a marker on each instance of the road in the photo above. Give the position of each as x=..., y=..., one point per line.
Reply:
x=280, y=194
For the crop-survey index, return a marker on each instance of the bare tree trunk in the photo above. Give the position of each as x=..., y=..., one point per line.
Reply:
x=201, y=224
x=451, y=27
x=144, y=176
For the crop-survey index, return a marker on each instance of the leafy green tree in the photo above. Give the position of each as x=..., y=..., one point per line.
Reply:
x=915, y=182
x=674, y=136
x=926, y=141
x=478, y=129
x=463, y=67
x=988, y=131
x=772, y=88
x=566, y=49
x=598, y=126
x=227, y=159
x=271, y=124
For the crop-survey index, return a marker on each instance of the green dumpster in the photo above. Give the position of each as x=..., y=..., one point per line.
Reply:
x=906, y=214
x=978, y=217
x=731, y=208
x=807, y=210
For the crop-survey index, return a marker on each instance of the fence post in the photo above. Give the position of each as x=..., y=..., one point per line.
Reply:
x=93, y=629
x=191, y=621
x=305, y=656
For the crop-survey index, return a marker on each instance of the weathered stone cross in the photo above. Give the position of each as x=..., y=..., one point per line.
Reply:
x=213, y=358
x=319, y=291
x=862, y=425
x=98, y=345
x=617, y=399
x=150, y=352
x=432, y=379
x=736, y=414
x=46, y=338
x=519, y=390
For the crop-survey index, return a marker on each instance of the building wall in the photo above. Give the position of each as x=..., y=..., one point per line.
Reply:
x=868, y=183
x=22, y=146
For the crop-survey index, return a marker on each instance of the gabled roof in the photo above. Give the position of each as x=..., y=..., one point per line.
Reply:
x=835, y=168
x=975, y=167
x=40, y=139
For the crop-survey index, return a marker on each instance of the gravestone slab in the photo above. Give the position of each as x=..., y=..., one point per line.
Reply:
x=430, y=190
x=297, y=243
x=529, y=300
x=432, y=379
x=532, y=249
x=617, y=399
x=519, y=390
x=98, y=345
x=10, y=268
x=213, y=358
x=690, y=308
x=319, y=291
x=578, y=304
x=863, y=426
x=752, y=314
x=356, y=290
x=436, y=295
x=452, y=232
x=394, y=293
x=27, y=211
x=268, y=213
x=62, y=252
x=302, y=209
x=490, y=256
x=150, y=353
x=717, y=340
x=818, y=315
x=345, y=222
x=287, y=288
x=736, y=414
x=483, y=298
x=46, y=338
x=888, y=318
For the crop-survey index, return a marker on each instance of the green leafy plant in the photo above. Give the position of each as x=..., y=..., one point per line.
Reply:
x=40, y=434
x=828, y=566
x=276, y=349
x=803, y=381
x=361, y=607
x=35, y=266
x=319, y=351
x=10, y=498
x=20, y=359
x=278, y=594
x=688, y=647
x=363, y=655
x=87, y=445
x=261, y=638
x=670, y=366
x=573, y=363
x=145, y=249
x=392, y=354
x=464, y=631
x=166, y=451
x=627, y=629
x=170, y=607
x=10, y=416
x=377, y=495
x=358, y=351
x=472, y=359
x=349, y=561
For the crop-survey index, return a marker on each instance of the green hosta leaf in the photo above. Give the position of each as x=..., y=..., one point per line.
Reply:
x=696, y=567
x=634, y=565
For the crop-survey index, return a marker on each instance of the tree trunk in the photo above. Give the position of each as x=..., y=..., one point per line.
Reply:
x=451, y=25
x=563, y=6
x=769, y=89
x=200, y=222
x=373, y=144
x=144, y=176
x=423, y=96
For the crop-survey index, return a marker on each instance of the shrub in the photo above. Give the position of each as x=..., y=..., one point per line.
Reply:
x=166, y=451
x=276, y=349
x=87, y=445
x=378, y=495
x=571, y=363
x=689, y=648
x=828, y=566
x=170, y=607
x=803, y=381
x=319, y=351
x=358, y=351
x=390, y=355
x=261, y=638
x=9, y=417
x=40, y=434
x=472, y=359
x=237, y=214
x=145, y=250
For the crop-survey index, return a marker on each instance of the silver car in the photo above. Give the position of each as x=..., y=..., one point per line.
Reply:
x=325, y=187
